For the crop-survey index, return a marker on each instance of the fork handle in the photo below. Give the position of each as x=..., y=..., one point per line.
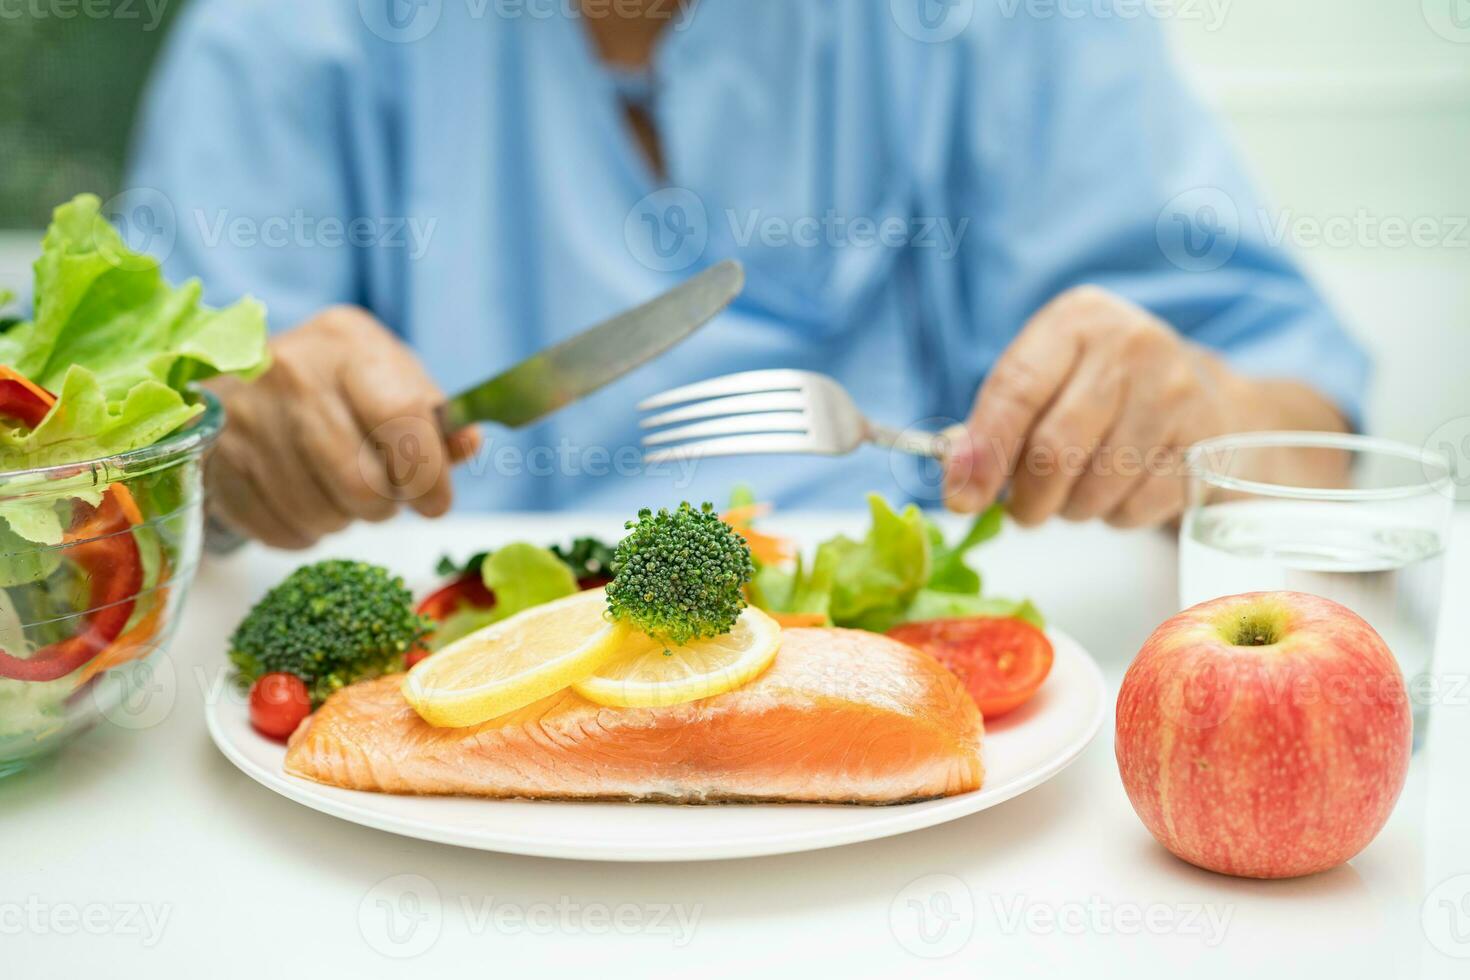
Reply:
x=931, y=444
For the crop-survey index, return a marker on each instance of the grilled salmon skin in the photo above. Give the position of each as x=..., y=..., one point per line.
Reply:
x=841, y=716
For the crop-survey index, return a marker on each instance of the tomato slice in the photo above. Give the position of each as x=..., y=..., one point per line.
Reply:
x=1001, y=662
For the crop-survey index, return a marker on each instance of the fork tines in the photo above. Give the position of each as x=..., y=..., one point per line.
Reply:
x=751, y=412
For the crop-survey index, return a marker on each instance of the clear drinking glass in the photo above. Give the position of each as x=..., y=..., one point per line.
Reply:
x=82, y=621
x=1371, y=536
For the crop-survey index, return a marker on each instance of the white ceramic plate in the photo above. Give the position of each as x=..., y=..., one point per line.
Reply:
x=1022, y=751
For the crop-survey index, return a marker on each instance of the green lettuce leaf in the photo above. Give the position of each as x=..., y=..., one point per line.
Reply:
x=107, y=309
x=119, y=347
x=873, y=580
x=796, y=590
x=522, y=575
x=950, y=572
x=902, y=571
x=21, y=562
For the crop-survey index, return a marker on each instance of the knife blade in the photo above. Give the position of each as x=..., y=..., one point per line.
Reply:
x=576, y=367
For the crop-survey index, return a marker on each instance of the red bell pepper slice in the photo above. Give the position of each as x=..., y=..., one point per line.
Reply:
x=466, y=590
x=22, y=399
x=100, y=542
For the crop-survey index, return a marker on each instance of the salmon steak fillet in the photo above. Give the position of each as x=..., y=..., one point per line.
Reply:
x=840, y=716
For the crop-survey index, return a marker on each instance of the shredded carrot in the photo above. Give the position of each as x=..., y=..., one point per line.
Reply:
x=796, y=620
x=745, y=514
x=126, y=503
x=768, y=549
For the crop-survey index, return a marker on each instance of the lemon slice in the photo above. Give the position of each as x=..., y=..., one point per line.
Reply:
x=514, y=662
x=643, y=675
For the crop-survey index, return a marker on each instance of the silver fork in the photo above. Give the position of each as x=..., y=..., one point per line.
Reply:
x=777, y=411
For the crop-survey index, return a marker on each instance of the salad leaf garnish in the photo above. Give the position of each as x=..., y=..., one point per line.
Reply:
x=902, y=571
x=950, y=573
x=100, y=306
x=118, y=346
x=519, y=575
x=522, y=575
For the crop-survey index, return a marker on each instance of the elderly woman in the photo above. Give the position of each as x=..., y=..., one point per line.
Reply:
x=1009, y=214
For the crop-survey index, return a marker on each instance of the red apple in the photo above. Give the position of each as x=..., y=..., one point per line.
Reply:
x=1264, y=735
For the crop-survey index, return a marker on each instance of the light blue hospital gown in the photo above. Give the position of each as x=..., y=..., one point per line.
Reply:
x=906, y=182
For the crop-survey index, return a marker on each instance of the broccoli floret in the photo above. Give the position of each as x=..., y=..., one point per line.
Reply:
x=331, y=624
x=679, y=576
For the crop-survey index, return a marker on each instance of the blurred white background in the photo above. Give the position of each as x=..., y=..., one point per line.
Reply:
x=1355, y=115
x=1359, y=111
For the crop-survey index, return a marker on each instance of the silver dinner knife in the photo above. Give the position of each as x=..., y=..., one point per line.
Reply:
x=578, y=366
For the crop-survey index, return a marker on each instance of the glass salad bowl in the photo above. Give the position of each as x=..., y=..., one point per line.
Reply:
x=95, y=560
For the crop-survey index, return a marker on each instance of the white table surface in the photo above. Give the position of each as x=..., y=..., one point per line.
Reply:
x=142, y=852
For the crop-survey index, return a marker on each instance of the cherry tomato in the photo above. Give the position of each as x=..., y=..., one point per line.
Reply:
x=278, y=703
x=1001, y=662
x=414, y=656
